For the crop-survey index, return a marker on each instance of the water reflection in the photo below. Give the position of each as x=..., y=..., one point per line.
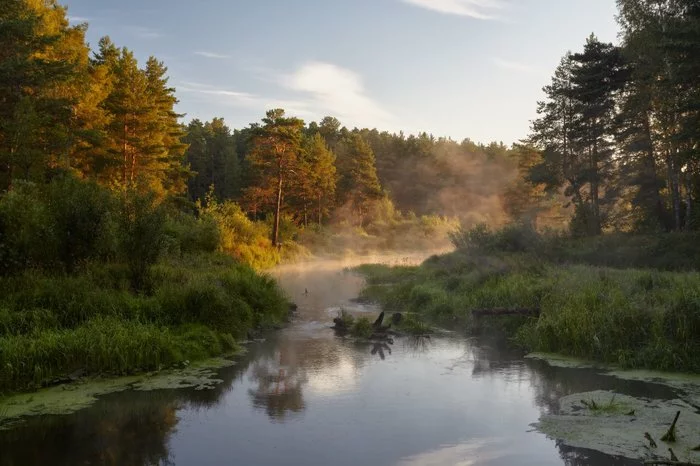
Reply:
x=306, y=397
x=379, y=348
x=279, y=389
x=100, y=435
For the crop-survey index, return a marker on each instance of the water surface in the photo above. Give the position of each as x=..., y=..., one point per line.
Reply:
x=306, y=397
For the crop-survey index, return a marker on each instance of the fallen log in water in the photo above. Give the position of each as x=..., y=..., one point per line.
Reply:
x=535, y=312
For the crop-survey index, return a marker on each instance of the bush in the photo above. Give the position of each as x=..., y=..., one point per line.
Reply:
x=81, y=222
x=511, y=238
x=362, y=328
x=142, y=235
x=187, y=234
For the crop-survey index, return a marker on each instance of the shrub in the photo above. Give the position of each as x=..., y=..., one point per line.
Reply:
x=142, y=235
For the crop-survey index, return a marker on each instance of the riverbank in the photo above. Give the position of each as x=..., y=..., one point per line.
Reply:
x=634, y=318
x=57, y=327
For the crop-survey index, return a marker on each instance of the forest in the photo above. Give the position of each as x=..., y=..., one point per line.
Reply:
x=617, y=140
x=130, y=236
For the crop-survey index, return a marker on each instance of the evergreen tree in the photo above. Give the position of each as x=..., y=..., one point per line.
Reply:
x=275, y=149
x=34, y=114
x=358, y=184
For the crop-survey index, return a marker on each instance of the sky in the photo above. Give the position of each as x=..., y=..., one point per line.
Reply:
x=457, y=68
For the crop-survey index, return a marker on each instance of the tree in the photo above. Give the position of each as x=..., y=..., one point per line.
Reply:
x=318, y=179
x=144, y=136
x=275, y=149
x=575, y=132
x=662, y=38
x=34, y=113
x=358, y=184
x=212, y=157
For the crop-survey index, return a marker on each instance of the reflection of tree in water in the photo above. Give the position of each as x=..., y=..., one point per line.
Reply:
x=417, y=345
x=124, y=429
x=279, y=390
x=380, y=346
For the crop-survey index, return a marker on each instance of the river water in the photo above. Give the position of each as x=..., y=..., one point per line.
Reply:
x=306, y=397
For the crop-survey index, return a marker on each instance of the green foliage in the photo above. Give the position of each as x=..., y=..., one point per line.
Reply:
x=242, y=238
x=187, y=234
x=53, y=325
x=362, y=328
x=635, y=318
x=511, y=238
x=142, y=239
x=412, y=325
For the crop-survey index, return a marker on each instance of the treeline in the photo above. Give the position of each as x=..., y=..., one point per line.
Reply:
x=100, y=116
x=330, y=174
x=619, y=131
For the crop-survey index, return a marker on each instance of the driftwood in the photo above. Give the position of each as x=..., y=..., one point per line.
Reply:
x=378, y=323
x=670, y=436
x=506, y=312
x=652, y=443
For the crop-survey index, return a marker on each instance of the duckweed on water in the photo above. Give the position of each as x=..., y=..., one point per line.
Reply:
x=621, y=431
x=69, y=398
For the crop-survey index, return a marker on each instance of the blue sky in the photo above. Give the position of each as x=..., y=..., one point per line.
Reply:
x=458, y=68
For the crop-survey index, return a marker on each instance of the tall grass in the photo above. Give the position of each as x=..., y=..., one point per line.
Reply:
x=632, y=317
x=51, y=325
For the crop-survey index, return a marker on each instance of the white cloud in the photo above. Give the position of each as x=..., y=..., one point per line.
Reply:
x=78, y=19
x=212, y=55
x=144, y=32
x=333, y=90
x=233, y=98
x=206, y=89
x=478, y=9
x=517, y=66
x=313, y=91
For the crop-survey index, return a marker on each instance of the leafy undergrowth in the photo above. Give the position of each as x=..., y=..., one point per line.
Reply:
x=93, y=323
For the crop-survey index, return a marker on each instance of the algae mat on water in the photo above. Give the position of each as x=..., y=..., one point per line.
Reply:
x=616, y=424
x=69, y=398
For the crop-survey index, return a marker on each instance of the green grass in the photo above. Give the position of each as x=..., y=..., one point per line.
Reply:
x=197, y=306
x=362, y=328
x=412, y=325
x=632, y=317
x=609, y=407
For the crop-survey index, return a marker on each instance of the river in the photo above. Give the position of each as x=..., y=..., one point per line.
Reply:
x=306, y=397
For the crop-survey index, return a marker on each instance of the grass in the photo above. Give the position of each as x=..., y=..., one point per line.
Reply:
x=640, y=318
x=412, y=325
x=196, y=307
x=610, y=407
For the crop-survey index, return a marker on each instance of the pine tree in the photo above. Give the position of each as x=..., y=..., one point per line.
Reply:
x=34, y=113
x=275, y=149
x=358, y=184
x=316, y=180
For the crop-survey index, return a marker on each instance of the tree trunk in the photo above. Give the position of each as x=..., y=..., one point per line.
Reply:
x=651, y=172
x=595, y=192
x=125, y=152
x=320, y=214
x=276, y=226
x=689, y=201
x=673, y=182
